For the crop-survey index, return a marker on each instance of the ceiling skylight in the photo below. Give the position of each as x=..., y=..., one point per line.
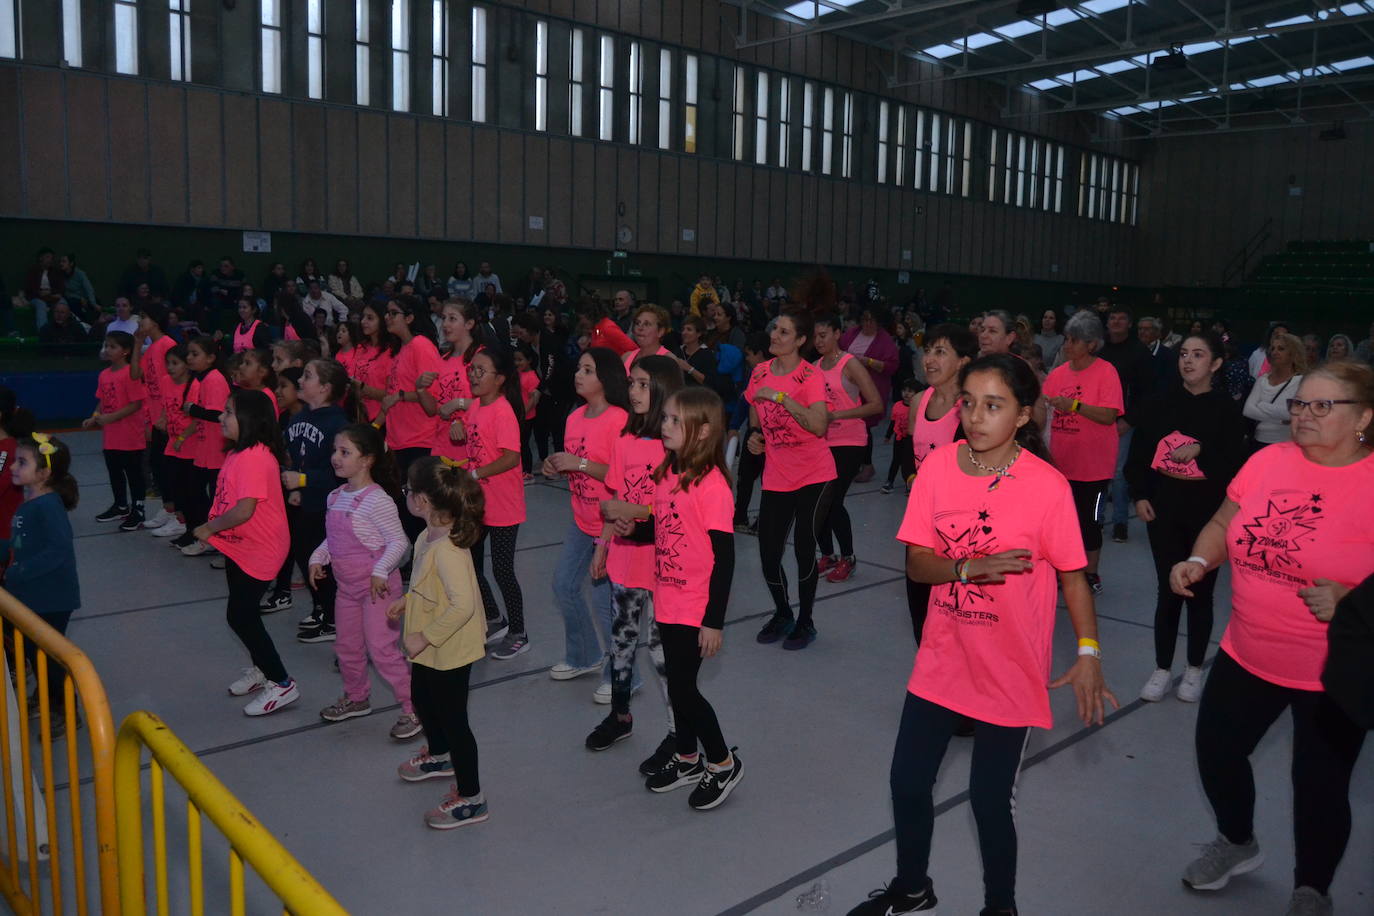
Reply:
x=1018, y=28
x=809, y=9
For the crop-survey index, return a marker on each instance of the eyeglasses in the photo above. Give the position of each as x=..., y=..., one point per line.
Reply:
x=392, y=313
x=476, y=371
x=1319, y=408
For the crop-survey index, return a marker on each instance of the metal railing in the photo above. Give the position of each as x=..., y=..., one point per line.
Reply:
x=249, y=841
x=1240, y=261
x=32, y=645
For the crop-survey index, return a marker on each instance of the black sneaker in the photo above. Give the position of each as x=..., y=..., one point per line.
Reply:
x=887, y=902
x=802, y=635
x=186, y=540
x=716, y=785
x=675, y=774
x=134, y=520
x=989, y=911
x=776, y=628
x=113, y=514
x=275, y=601
x=886, y=488
x=1095, y=583
x=1119, y=533
x=660, y=757
x=320, y=632
x=610, y=730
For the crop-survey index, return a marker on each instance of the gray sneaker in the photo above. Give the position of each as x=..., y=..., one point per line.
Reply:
x=511, y=645
x=1307, y=902
x=1222, y=860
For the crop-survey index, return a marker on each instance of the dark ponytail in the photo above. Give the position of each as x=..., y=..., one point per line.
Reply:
x=367, y=439
x=1017, y=374
x=503, y=362
x=58, y=462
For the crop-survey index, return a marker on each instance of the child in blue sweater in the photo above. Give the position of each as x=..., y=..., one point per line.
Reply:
x=43, y=572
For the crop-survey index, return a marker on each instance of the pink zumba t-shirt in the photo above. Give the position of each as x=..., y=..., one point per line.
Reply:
x=1166, y=447
x=631, y=479
x=491, y=430
x=901, y=420
x=259, y=545
x=407, y=424
x=793, y=458
x=1084, y=450
x=928, y=435
x=372, y=367
x=116, y=389
x=529, y=381
x=1298, y=522
x=592, y=438
x=178, y=422
x=153, y=363
x=986, y=649
x=629, y=358
x=452, y=383
x=683, y=556
x=838, y=396
x=212, y=393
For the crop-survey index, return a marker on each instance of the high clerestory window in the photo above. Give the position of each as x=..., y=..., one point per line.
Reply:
x=179, y=39
x=269, y=32
x=126, y=36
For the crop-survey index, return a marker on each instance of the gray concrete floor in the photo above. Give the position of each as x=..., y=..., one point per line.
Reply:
x=1107, y=817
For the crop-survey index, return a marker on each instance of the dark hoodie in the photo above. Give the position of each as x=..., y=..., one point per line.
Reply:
x=1213, y=419
x=309, y=445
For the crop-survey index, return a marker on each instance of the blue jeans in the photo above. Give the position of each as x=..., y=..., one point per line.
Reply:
x=583, y=649
x=1121, y=496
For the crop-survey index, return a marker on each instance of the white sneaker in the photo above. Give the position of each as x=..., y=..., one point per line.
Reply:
x=1190, y=688
x=1156, y=686
x=173, y=529
x=196, y=549
x=602, y=695
x=271, y=698
x=157, y=521
x=252, y=679
x=565, y=672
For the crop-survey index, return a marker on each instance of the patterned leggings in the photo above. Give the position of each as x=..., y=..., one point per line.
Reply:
x=503, y=568
x=632, y=607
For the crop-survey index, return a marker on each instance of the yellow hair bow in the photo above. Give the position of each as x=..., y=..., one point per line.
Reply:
x=45, y=447
x=449, y=462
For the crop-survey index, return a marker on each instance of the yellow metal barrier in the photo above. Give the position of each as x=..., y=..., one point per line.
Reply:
x=30, y=643
x=249, y=841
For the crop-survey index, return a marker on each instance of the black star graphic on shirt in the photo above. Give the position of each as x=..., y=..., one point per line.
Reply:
x=1316, y=497
x=983, y=516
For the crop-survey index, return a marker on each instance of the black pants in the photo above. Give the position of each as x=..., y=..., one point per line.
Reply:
x=246, y=621
x=750, y=469
x=126, y=476
x=503, y=570
x=441, y=703
x=307, y=533
x=405, y=457
x=1182, y=509
x=692, y=714
x=1089, y=498
x=903, y=459
x=57, y=675
x=198, y=496
x=157, y=463
x=868, y=448
x=997, y=751
x=1237, y=709
x=778, y=510
x=550, y=416
x=917, y=603
x=848, y=458
x=180, y=474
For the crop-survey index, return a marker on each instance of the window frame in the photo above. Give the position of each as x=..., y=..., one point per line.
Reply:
x=605, y=87
x=315, y=48
x=125, y=26
x=541, y=75
x=270, y=35
x=665, y=98
x=635, y=84
x=481, y=53
x=439, y=63
x=362, y=52
x=691, y=77
x=577, y=80
x=179, y=40
x=400, y=55
x=762, y=84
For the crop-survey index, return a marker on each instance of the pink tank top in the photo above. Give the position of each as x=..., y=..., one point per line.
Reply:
x=842, y=394
x=928, y=435
x=291, y=333
x=243, y=340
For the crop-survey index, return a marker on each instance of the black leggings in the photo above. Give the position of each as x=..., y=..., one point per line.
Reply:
x=1237, y=709
x=903, y=459
x=441, y=704
x=750, y=467
x=997, y=751
x=1089, y=498
x=1182, y=509
x=198, y=495
x=917, y=603
x=503, y=569
x=126, y=476
x=179, y=474
x=405, y=457
x=848, y=458
x=692, y=714
x=778, y=509
x=307, y=533
x=246, y=621
x=157, y=463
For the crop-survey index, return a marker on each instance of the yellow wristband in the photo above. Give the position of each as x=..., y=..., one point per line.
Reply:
x=1073, y=408
x=376, y=426
x=779, y=396
x=301, y=482
x=1091, y=643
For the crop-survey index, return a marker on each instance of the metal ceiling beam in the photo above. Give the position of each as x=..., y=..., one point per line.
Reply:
x=1155, y=134
x=901, y=12
x=1104, y=54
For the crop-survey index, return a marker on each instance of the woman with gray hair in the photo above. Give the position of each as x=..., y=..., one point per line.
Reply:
x=1340, y=346
x=1085, y=393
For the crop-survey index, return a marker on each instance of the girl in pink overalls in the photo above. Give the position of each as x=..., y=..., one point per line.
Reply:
x=364, y=546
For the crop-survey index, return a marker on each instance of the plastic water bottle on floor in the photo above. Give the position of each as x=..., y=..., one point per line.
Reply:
x=815, y=900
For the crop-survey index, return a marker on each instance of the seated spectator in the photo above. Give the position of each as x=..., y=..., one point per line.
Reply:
x=429, y=283
x=344, y=286
x=486, y=299
x=62, y=326
x=1340, y=346
x=554, y=292
x=178, y=328
x=226, y=286
x=623, y=307
x=703, y=294
x=1365, y=351
x=143, y=298
x=143, y=270
x=276, y=279
x=317, y=298
x=288, y=319
x=384, y=293
x=485, y=276
x=121, y=319
x=460, y=282
x=44, y=285
x=80, y=294
x=777, y=290
x=192, y=289
x=310, y=272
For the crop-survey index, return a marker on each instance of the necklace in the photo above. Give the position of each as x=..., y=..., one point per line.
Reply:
x=998, y=473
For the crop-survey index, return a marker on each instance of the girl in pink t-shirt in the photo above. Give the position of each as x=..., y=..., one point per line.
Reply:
x=372, y=361
x=118, y=415
x=409, y=429
x=529, y=394
x=628, y=560
x=850, y=396
x=182, y=439
x=491, y=435
x=247, y=524
x=148, y=364
x=205, y=399
x=255, y=374
x=787, y=410
x=990, y=527
x=446, y=393
x=589, y=437
x=694, y=566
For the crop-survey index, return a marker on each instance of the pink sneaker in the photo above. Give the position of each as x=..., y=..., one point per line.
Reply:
x=842, y=570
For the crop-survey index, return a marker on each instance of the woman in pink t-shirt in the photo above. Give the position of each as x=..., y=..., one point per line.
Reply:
x=446, y=393
x=119, y=417
x=1295, y=530
x=372, y=363
x=990, y=528
x=651, y=323
x=491, y=434
x=787, y=411
x=850, y=397
x=694, y=567
x=409, y=430
x=628, y=561
x=1085, y=393
x=589, y=438
x=247, y=524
